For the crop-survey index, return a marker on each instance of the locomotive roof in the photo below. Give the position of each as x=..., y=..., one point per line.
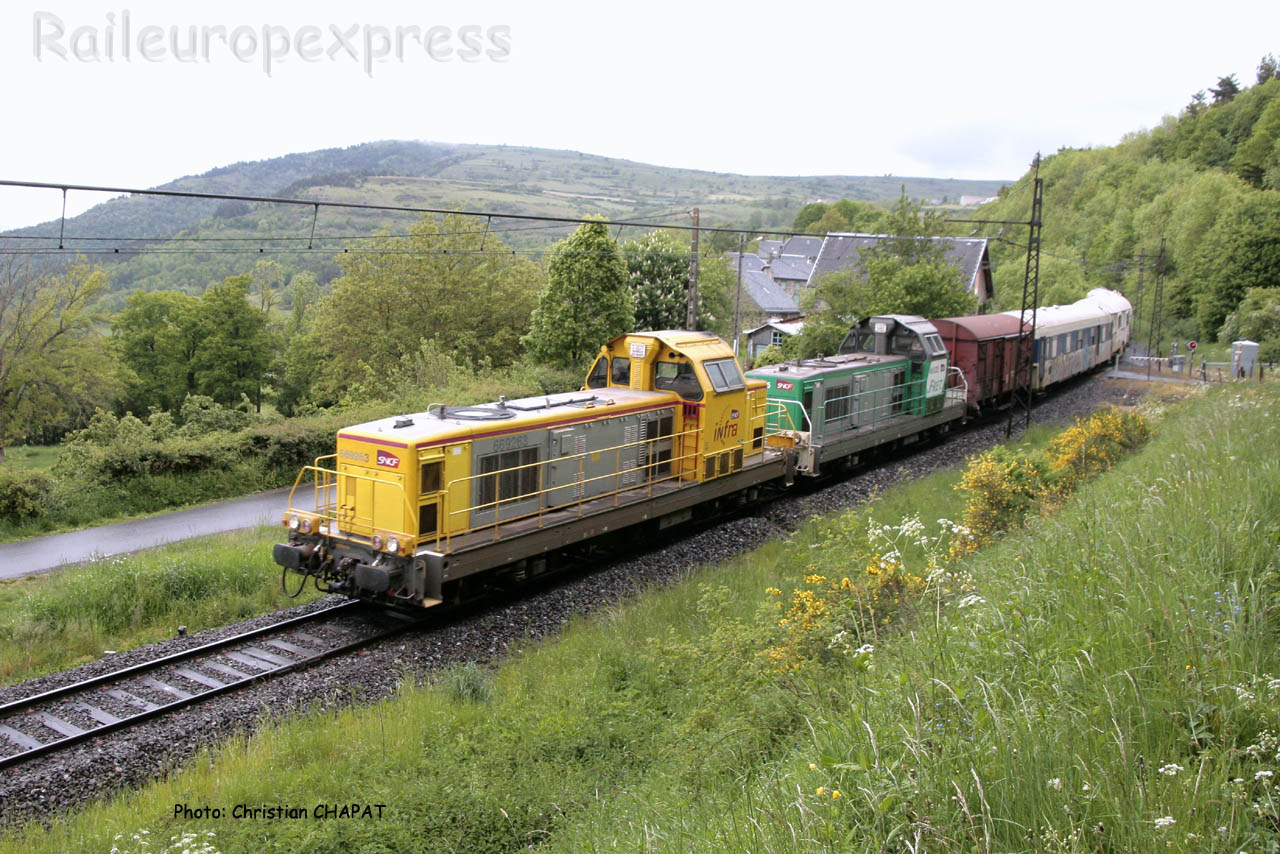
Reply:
x=805, y=368
x=506, y=416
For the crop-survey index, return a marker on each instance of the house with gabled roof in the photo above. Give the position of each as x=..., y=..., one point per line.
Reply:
x=971, y=255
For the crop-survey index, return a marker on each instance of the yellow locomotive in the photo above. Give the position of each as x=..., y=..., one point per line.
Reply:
x=411, y=507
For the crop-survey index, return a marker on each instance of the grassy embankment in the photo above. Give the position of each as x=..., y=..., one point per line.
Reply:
x=54, y=621
x=1100, y=679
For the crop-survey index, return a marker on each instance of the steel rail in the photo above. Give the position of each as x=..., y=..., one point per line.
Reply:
x=158, y=710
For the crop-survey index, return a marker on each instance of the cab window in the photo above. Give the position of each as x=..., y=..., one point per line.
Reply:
x=621, y=371
x=906, y=344
x=680, y=378
x=724, y=374
x=599, y=376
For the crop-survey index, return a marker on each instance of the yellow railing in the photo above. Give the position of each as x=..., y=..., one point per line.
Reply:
x=643, y=476
x=341, y=519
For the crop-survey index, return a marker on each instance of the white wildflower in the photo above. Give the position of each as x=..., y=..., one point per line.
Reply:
x=1171, y=770
x=1055, y=784
x=971, y=599
x=1165, y=821
x=1263, y=775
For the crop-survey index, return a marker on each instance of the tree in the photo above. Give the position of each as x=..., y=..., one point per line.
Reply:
x=658, y=277
x=157, y=336
x=587, y=301
x=267, y=277
x=1240, y=252
x=1226, y=89
x=303, y=292
x=808, y=215
x=55, y=367
x=232, y=358
x=717, y=282
x=1257, y=318
x=448, y=281
x=1198, y=104
x=831, y=221
x=864, y=217
x=1268, y=69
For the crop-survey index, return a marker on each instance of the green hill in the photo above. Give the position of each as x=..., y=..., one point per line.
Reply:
x=499, y=179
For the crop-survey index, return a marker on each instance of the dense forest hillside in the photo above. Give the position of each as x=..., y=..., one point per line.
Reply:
x=1205, y=185
x=499, y=179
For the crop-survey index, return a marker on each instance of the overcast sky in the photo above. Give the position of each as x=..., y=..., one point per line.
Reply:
x=952, y=90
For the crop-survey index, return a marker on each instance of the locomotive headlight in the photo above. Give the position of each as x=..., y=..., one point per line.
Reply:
x=305, y=526
x=393, y=545
x=376, y=542
x=295, y=522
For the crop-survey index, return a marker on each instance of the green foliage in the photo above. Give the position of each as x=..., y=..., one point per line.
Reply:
x=54, y=365
x=845, y=215
x=717, y=283
x=587, y=301
x=771, y=355
x=1240, y=252
x=233, y=356
x=24, y=495
x=157, y=336
x=1257, y=318
x=397, y=292
x=1199, y=181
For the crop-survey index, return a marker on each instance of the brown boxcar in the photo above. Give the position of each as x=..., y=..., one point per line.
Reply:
x=984, y=347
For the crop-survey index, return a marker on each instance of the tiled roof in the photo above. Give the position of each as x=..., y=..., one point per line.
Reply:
x=791, y=267
x=805, y=246
x=842, y=251
x=766, y=294
x=749, y=262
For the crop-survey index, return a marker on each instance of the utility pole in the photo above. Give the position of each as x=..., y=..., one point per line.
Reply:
x=1155, y=330
x=1137, y=302
x=692, y=322
x=737, y=299
x=1025, y=359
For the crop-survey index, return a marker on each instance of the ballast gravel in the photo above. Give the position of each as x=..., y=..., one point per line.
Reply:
x=43, y=788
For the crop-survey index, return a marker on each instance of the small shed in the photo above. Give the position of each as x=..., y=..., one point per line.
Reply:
x=772, y=332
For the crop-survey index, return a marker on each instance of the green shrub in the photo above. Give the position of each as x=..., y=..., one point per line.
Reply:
x=24, y=495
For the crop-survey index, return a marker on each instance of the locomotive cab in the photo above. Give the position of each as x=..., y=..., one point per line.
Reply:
x=914, y=338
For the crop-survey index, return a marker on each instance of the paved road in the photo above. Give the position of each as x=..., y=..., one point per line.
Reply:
x=45, y=553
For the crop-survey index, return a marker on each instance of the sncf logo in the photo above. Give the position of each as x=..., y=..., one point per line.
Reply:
x=785, y=386
x=391, y=461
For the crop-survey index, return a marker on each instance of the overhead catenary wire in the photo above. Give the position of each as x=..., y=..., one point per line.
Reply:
x=226, y=197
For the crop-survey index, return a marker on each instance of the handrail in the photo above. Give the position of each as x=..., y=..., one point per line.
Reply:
x=578, y=485
x=325, y=479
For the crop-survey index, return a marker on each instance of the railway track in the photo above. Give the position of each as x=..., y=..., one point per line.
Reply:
x=60, y=718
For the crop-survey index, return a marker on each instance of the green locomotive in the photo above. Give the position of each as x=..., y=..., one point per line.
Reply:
x=888, y=384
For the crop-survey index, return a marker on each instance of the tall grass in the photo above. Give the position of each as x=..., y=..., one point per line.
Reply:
x=53, y=621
